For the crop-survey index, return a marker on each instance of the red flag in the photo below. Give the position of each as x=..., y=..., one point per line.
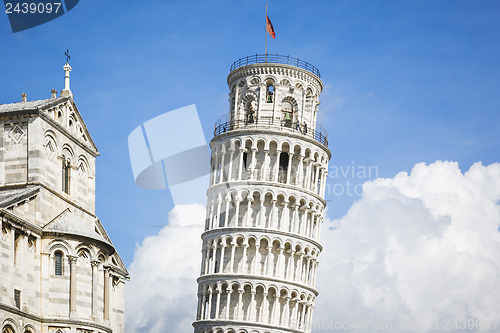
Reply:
x=270, y=28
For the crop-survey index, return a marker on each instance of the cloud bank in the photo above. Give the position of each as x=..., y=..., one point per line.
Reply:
x=416, y=253
x=161, y=295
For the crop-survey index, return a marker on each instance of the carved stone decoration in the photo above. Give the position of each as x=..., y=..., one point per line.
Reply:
x=17, y=133
x=50, y=148
x=58, y=330
x=82, y=330
x=81, y=170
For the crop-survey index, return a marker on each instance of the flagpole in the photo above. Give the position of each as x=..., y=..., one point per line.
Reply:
x=265, y=53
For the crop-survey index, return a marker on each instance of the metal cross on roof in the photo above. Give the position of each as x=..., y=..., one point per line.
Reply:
x=67, y=55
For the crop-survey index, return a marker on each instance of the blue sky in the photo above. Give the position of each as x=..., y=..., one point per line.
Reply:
x=405, y=81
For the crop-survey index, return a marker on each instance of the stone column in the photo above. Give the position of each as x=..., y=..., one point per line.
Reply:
x=240, y=167
x=208, y=250
x=277, y=165
x=325, y=179
x=46, y=270
x=303, y=319
x=237, y=211
x=269, y=268
x=293, y=316
x=289, y=269
x=289, y=169
x=300, y=171
x=214, y=261
x=262, y=214
x=257, y=259
x=308, y=224
x=286, y=314
x=219, y=202
x=275, y=307
x=95, y=288
x=243, y=268
x=217, y=302
x=230, y=167
x=221, y=178
x=279, y=261
x=265, y=166
x=72, y=292
x=273, y=216
x=315, y=272
x=264, y=315
x=249, y=212
x=239, y=307
x=307, y=184
x=285, y=217
x=253, y=164
x=251, y=307
x=203, y=260
x=107, y=292
x=236, y=111
x=221, y=263
x=203, y=305
x=318, y=227
x=209, y=310
x=231, y=263
x=308, y=262
x=228, y=301
x=295, y=219
x=199, y=311
x=309, y=317
x=216, y=166
x=226, y=212
x=321, y=182
x=316, y=177
x=300, y=264
x=295, y=264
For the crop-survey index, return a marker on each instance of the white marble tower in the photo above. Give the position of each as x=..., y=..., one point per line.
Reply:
x=265, y=201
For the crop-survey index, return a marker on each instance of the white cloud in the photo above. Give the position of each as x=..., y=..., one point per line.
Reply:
x=416, y=250
x=420, y=249
x=161, y=295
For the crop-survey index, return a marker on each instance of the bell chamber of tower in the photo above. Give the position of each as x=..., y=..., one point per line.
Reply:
x=265, y=201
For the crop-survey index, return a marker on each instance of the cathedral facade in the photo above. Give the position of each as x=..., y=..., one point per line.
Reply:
x=59, y=271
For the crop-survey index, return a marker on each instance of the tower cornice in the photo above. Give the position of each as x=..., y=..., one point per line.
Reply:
x=255, y=279
x=275, y=69
x=239, y=230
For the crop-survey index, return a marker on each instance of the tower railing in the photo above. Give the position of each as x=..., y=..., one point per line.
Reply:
x=319, y=133
x=274, y=59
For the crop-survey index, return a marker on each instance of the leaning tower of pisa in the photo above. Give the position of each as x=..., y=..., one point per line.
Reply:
x=265, y=201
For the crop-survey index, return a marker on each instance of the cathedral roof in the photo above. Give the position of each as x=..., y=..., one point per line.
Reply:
x=31, y=105
x=43, y=105
x=66, y=222
x=12, y=196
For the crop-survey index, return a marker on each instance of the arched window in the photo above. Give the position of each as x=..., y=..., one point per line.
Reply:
x=287, y=112
x=65, y=176
x=58, y=263
x=8, y=329
x=269, y=91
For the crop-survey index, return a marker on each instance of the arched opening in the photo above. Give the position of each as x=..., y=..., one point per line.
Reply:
x=8, y=329
x=283, y=167
x=250, y=109
x=269, y=91
x=65, y=175
x=58, y=263
x=287, y=113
